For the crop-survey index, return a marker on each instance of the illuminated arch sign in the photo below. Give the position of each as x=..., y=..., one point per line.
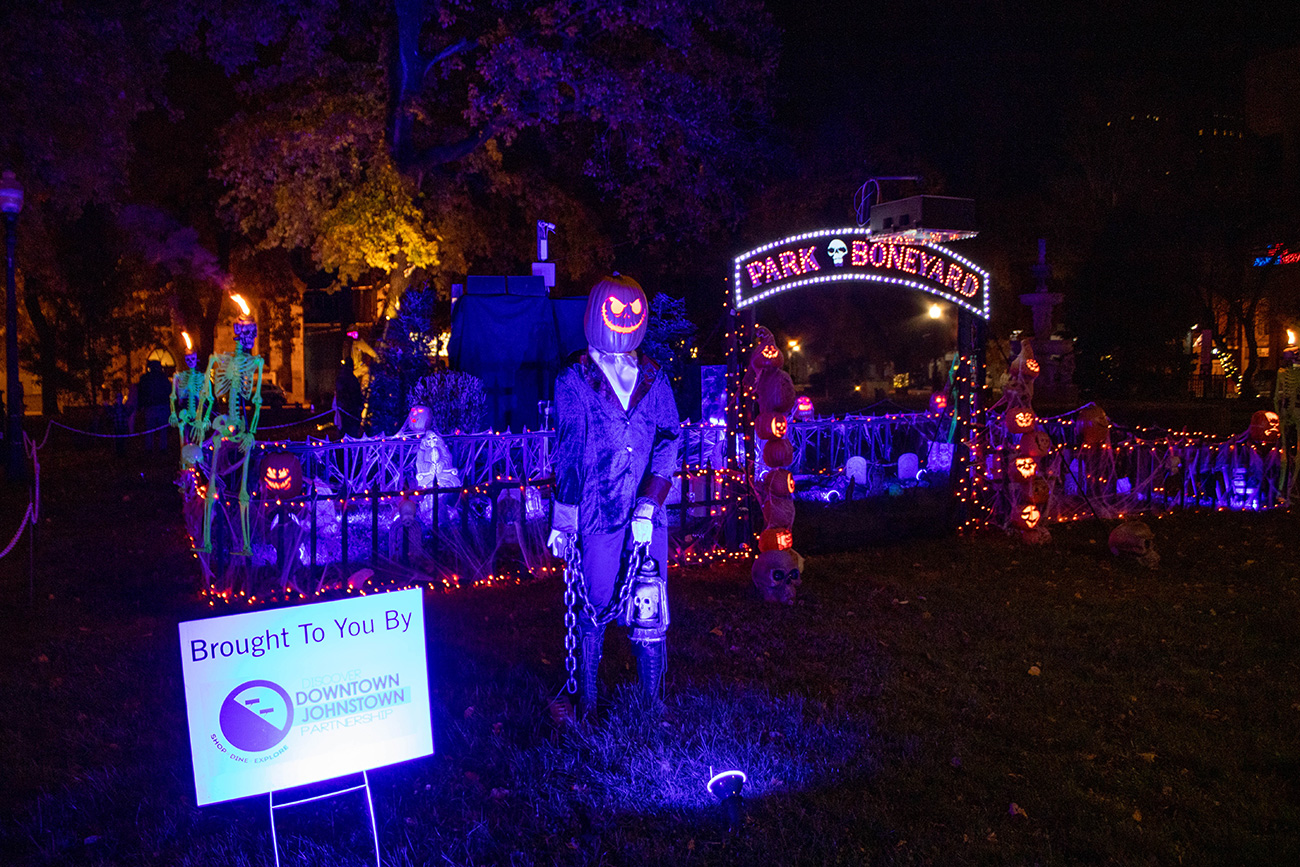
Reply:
x=855, y=254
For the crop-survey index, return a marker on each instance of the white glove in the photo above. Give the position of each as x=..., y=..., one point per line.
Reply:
x=558, y=543
x=642, y=530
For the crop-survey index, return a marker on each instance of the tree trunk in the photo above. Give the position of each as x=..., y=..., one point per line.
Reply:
x=47, y=358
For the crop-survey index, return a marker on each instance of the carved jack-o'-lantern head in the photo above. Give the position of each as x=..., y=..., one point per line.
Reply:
x=1026, y=467
x=1265, y=427
x=771, y=425
x=766, y=356
x=617, y=312
x=780, y=483
x=1019, y=419
x=281, y=476
x=1028, y=516
x=775, y=539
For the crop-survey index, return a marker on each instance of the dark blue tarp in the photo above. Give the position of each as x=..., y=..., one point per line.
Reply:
x=516, y=345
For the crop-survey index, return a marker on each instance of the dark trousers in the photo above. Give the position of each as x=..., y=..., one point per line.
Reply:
x=604, y=559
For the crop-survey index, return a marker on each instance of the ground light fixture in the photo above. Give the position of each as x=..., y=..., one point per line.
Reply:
x=726, y=786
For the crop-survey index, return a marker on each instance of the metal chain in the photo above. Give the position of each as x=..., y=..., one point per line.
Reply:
x=575, y=590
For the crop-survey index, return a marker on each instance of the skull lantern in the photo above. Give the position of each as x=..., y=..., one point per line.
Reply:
x=1135, y=539
x=617, y=312
x=646, y=610
x=770, y=425
x=281, y=476
x=1265, y=428
x=837, y=250
x=777, y=575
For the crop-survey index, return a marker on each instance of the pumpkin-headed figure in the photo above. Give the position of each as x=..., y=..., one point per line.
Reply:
x=617, y=313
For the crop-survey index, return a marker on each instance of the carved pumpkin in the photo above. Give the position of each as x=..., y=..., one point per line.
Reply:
x=803, y=408
x=1019, y=419
x=780, y=483
x=778, y=512
x=778, y=453
x=770, y=425
x=775, y=392
x=1026, y=467
x=617, y=312
x=1024, y=365
x=1265, y=428
x=1035, y=444
x=775, y=539
x=1092, y=427
x=281, y=476
x=1028, y=516
x=766, y=356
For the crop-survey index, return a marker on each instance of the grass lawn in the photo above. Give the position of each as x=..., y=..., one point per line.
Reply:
x=950, y=701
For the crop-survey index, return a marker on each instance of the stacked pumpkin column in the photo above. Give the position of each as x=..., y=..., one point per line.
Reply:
x=1028, y=490
x=777, y=570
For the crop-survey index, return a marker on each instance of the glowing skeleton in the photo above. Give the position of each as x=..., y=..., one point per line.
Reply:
x=1286, y=403
x=237, y=377
x=189, y=391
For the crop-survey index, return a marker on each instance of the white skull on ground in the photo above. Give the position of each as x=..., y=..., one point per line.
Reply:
x=777, y=575
x=837, y=250
x=1135, y=539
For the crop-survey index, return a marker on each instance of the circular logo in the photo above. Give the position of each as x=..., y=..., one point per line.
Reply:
x=256, y=715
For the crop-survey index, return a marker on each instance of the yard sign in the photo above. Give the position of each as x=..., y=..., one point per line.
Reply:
x=282, y=698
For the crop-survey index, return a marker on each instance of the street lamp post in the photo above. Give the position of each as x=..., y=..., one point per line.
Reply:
x=11, y=202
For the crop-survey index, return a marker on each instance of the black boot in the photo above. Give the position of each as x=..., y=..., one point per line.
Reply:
x=590, y=645
x=651, y=662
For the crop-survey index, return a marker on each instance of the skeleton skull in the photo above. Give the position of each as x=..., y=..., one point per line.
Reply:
x=777, y=575
x=1136, y=539
x=646, y=603
x=838, y=250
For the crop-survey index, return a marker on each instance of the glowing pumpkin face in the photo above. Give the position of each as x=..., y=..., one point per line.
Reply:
x=771, y=425
x=1031, y=367
x=1019, y=420
x=617, y=313
x=1026, y=467
x=1029, y=516
x=282, y=476
x=938, y=402
x=766, y=355
x=775, y=539
x=780, y=483
x=1265, y=428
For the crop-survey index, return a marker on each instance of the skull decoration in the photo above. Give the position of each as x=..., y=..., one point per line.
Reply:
x=1137, y=540
x=777, y=575
x=838, y=250
x=617, y=313
x=417, y=420
x=191, y=360
x=645, y=604
x=245, y=327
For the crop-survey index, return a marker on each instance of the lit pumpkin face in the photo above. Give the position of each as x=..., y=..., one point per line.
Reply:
x=938, y=402
x=775, y=539
x=617, y=313
x=1031, y=367
x=803, y=408
x=1026, y=467
x=281, y=476
x=1265, y=428
x=1028, y=516
x=766, y=356
x=1019, y=420
x=780, y=483
x=771, y=425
